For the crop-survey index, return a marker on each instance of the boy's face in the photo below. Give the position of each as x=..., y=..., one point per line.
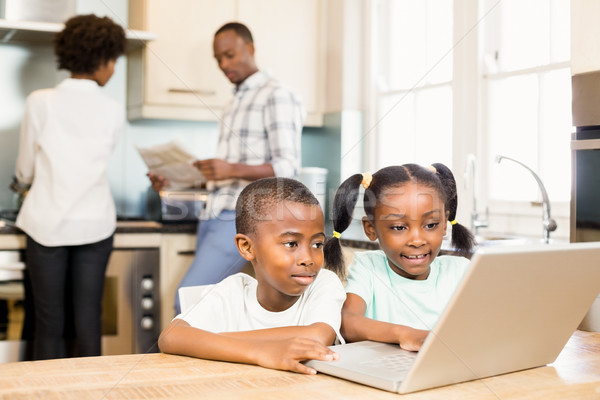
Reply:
x=286, y=250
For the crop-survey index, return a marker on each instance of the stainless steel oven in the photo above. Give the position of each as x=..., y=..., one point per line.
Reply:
x=131, y=307
x=131, y=302
x=585, y=200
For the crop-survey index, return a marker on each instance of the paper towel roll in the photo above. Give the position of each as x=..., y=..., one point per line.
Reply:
x=316, y=180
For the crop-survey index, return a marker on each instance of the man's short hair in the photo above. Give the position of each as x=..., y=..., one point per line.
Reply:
x=263, y=195
x=240, y=29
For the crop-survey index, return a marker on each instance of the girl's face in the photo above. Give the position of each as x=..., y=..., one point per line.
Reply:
x=410, y=223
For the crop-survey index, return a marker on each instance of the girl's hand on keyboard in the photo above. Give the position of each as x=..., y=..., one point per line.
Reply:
x=412, y=339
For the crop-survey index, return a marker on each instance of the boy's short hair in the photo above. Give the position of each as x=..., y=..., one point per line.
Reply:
x=87, y=42
x=240, y=29
x=263, y=195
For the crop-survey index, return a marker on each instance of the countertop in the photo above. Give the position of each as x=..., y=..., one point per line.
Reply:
x=130, y=233
x=574, y=375
x=354, y=237
x=131, y=226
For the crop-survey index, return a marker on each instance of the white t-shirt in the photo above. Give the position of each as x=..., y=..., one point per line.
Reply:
x=398, y=300
x=67, y=136
x=231, y=306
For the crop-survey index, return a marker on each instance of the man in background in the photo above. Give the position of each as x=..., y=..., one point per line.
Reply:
x=259, y=136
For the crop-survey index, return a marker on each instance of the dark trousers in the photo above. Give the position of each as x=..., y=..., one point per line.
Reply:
x=67, y=283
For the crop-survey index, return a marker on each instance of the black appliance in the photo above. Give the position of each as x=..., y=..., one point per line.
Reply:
x=585, y=158
x=585, y=196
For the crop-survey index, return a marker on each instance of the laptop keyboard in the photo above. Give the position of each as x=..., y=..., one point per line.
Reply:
x=399, y=362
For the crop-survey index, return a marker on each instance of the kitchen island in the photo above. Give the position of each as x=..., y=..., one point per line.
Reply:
x=574, y=375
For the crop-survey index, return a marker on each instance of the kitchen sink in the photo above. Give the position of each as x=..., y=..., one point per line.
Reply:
x=500, y=240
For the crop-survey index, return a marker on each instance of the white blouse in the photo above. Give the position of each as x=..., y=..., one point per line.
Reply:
x=67, y=136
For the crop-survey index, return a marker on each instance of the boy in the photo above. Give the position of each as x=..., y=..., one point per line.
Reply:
x=291, y=311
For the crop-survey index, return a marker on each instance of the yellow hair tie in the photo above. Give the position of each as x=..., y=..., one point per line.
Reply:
x=366, y=181
x=453, y=222
x=433, y=169
x=337, y=234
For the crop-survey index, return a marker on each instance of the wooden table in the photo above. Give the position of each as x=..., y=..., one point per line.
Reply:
x=575, y=375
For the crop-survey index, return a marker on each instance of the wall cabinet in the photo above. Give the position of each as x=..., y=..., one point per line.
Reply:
x=176, y=76
x=34, y=32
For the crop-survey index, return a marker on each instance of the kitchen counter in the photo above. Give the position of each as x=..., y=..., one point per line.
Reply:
x=574, y=375
x=129, y=233
x=131, y=226
x=354, y=237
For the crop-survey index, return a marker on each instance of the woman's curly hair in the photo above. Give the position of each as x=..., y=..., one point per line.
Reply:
x=87, y=42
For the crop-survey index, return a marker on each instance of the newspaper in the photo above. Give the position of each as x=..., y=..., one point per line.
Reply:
x=174, y=163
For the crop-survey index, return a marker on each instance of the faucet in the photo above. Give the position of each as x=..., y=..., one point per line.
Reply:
x=548, y=222
x=470, y=172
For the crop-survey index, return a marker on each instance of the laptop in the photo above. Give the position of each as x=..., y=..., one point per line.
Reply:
x=515, y=309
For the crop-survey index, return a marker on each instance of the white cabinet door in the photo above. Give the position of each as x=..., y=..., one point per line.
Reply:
x=177, y=254
x=288, y=40
x=176, y=76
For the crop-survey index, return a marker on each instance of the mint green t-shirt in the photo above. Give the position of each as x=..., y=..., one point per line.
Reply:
x=393, y=298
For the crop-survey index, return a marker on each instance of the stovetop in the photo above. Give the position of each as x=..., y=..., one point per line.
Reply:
x=9, y=216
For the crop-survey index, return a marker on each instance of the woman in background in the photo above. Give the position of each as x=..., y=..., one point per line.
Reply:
x=67, y=136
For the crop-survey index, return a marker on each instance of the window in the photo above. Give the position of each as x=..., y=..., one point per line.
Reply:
x=511, y=87
x=413, y=64
x=527, y=82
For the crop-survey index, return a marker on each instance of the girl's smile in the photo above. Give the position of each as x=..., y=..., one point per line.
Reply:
x=417, y=259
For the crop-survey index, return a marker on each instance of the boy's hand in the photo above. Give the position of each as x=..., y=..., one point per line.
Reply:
x=287, y=354
x=412, y=339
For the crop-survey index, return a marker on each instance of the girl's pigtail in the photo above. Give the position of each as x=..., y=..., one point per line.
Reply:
x=462, y=238
x=343, y=206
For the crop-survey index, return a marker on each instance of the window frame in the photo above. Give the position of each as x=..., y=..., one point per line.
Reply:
x=469, y=134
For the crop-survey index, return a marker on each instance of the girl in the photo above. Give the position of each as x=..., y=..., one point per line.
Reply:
x=396, y=294
x=67, y=137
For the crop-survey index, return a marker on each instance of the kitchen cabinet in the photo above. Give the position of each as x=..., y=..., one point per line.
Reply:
x=176, y=76
x=177, y=254
x=289, y=40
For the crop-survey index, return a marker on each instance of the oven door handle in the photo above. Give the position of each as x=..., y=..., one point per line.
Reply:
x=590, y=144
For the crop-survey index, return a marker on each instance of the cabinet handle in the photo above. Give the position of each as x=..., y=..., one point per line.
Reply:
x=590, y=144
x=193, y=91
